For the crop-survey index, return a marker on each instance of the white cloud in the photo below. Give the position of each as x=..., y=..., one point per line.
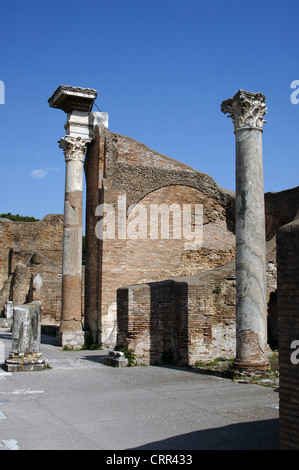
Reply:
x=42, y=172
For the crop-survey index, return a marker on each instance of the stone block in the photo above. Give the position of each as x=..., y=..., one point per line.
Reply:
x=116, y=359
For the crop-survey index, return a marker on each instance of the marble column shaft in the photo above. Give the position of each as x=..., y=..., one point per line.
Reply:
x=247, y=110
x=74, y=151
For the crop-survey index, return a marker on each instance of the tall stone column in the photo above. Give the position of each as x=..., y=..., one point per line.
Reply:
x=71, y=333
x=247, y=111
x=77, y=102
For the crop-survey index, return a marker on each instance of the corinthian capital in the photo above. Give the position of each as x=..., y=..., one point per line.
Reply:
x=246, y=109
x=74, y=148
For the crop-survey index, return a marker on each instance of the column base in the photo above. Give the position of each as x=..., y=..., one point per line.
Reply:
x=72, y=339
x=24, y=362
x=251, y=366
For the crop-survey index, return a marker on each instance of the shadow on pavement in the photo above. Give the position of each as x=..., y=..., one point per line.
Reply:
x=256, y=435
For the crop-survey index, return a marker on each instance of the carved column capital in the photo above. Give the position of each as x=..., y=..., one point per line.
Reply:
x=74, y=148
x=246, y=109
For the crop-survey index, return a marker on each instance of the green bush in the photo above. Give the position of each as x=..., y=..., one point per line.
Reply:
x=18, y=218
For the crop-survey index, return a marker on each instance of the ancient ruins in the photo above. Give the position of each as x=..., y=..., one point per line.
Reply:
x=176, y=267
x=176, y=294
x=30, y=265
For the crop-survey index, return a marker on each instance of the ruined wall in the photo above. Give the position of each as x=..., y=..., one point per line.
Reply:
x=209, y=316
x=44, y=236
x=184, y=320
x=31, y=264
x=281, y=208
x=190, y=318
x=119, y=167
x=288, y=323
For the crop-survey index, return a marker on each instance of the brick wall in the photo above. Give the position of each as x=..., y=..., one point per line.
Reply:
x=191, y=316
x=185, y=319
x=288, y=322
x=117, y=166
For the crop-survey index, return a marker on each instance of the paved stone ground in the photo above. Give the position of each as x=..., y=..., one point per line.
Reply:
x=81, y=404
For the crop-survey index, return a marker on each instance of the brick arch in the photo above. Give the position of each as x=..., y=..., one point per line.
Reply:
x=151, y=260
x=183, y=194
x=149, y=192
x=138, y=181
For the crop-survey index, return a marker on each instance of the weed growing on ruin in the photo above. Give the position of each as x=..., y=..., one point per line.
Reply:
x=129, y=354
x=274, y=355
x=225, y=368
x=217, y=290
x=216, y=363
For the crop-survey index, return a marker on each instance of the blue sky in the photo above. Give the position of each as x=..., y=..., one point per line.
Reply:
x=161, y=68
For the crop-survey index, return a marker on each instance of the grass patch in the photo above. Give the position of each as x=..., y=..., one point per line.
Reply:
x=225, y=368
x=215, y=363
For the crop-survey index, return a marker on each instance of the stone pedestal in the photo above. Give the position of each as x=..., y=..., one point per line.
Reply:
x=247, y=111
x=25, y=352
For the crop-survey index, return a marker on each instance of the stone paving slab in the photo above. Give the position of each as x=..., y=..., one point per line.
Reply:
x=82, y=404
